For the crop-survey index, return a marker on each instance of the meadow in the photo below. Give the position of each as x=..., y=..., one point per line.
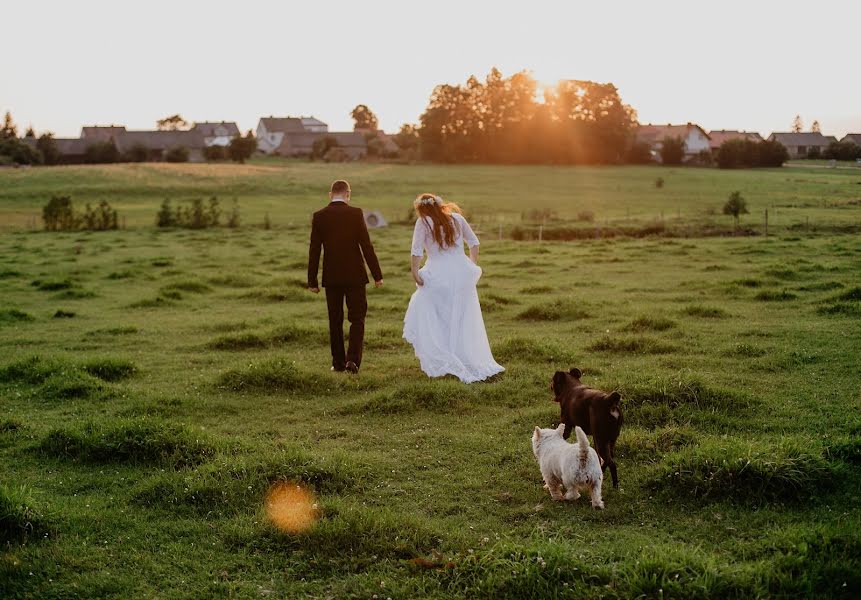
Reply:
x=155, y=382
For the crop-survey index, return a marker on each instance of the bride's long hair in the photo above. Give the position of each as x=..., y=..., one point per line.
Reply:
x=438, y=212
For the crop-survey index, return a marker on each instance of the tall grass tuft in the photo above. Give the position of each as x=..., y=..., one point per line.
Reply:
x=13, y=315
x=110, y=369
x=705, y=312
x=129, y=441
x=632, y=344
x=273, y=375
x=642, y=324
x=19, y=520
x=743, y=472
x=553, y=311
x=236, y=484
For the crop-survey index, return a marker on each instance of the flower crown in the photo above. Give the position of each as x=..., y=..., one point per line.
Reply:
x=430, y=201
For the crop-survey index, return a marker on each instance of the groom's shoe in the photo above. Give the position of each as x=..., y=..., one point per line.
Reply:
x=352, y=367
x=338, y=369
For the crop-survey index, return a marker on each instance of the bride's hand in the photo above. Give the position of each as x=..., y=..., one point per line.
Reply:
x=419, y=281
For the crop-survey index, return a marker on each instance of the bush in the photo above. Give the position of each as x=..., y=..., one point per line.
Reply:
x=177, y=154
x=672, y=150
x=137, y=153
x=196, y=215
x=14, y=151
x=640, y=153
x=212, y=153
x=59, y=215
x=741, y=153
x=847, y=150
x=102, y=153
x=337, y=155
x=322, y=145
x=242, y=148
x=47, y=146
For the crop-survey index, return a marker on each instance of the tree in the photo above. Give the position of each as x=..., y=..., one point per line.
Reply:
x=639, y=153
x=14, y=151
x=797, y=125
x=321, y=146
x=815, y=128
x=407, y=138
x=847, y=150
x=735, y=206
x=47, y=145
x=172, y=123
x=9, y=130
x=30, y=133
x=242, y=148
x=364, y=118
x=672, y=150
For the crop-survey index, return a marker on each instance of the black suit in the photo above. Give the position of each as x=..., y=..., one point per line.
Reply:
x=339, y=230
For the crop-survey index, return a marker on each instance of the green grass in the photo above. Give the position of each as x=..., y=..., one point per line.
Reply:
x=138, y=439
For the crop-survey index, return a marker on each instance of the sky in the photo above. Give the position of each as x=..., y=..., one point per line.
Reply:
x=728, y=64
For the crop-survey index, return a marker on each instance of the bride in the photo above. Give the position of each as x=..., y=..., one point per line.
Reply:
x=443, y=320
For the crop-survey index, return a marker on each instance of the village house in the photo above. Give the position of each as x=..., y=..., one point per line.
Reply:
x=217, y=134
x=695, y=138
x=803, y=144
x=855, y=138
x=718, y=137
x=295, y=136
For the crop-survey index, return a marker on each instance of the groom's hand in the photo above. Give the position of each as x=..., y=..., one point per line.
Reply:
x=378, y=283
x=316, y=290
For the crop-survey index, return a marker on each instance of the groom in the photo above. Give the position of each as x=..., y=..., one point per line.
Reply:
x=340, y=230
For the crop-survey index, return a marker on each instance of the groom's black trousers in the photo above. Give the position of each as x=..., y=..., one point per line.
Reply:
x=357, y=308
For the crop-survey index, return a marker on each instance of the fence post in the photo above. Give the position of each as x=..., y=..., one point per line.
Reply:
x=540, y=232
x=500, y=232
x=766, y=222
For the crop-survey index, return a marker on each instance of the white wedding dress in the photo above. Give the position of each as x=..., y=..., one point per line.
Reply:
x=443, y=320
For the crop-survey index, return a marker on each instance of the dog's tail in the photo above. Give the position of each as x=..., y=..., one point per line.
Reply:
x=582, y=443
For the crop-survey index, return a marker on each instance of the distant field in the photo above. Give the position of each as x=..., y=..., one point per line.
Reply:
x=153, y=383
x=493, y=196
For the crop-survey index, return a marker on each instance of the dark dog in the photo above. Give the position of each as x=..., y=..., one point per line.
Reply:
x=597, y=413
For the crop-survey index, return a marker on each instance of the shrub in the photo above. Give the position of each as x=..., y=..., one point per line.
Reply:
x=195, y=215
x=59, y=214
x=16, y=152
x=639, y=153
x=241, y=148
x=212, y=153
x=322, y=145
x=847, y=150
x=336, y=155
x=137, y=153
x=102, y=153
x=672, y=150
x=741, y=153
x=735, y=206
x=177, y=154
x=19, y=519
x=128, y=441
x=659, y=183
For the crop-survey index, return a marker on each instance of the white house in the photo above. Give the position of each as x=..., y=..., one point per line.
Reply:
x=271, y=130
x=217, y=134
x=695, y=138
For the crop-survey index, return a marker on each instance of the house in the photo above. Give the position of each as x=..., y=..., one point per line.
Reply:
x=72, y=150
x=695, y=138
x=101, y=133
x=271, y=130
x=159, y=142
x=295, y=136
x=718, y=137
x=217, y=134
x=852, y=137
x=801, y=144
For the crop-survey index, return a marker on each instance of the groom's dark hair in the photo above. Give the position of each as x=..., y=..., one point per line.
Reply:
x=340, y=186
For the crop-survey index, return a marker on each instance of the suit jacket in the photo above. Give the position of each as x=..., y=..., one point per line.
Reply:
x=340, y=230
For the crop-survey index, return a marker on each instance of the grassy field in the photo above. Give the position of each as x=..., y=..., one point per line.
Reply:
x=154, y=383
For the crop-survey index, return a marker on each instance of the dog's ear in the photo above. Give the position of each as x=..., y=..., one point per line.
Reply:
x=614, y=398
x=576, y=372
x=537, y=432
x=560, y=429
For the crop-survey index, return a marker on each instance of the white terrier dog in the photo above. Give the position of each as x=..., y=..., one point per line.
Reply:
x=575, y=466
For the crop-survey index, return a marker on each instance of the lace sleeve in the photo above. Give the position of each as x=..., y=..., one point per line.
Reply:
x=468, y=234
x=419, y=234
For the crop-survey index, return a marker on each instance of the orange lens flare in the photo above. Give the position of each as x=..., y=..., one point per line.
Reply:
x=290, y=507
